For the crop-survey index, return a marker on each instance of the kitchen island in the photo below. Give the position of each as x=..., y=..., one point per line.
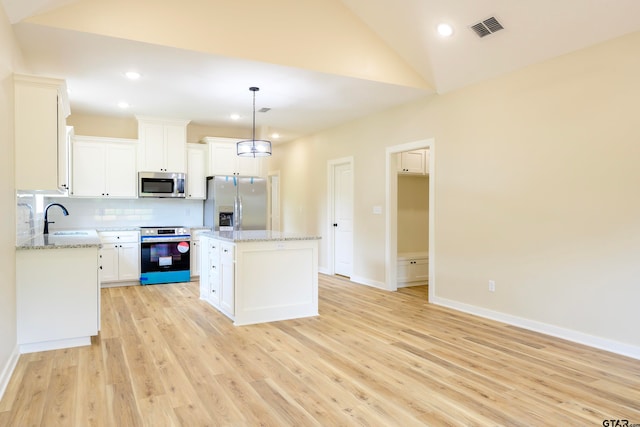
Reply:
x=259, y=276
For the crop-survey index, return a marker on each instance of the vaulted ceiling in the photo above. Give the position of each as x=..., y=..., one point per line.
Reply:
x=318, y=63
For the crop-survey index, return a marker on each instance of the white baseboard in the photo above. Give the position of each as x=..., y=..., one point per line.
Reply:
x=545, y=328
x=357, y=279
x=372, y=283
x=55, y=345
x=8, y=369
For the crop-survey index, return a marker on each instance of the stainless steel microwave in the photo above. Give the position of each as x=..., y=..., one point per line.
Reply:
x=161, y=184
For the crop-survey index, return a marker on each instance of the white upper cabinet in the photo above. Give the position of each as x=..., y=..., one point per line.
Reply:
x=414, y=162
x=104, y=167
x=162, y=145
x=223, y=160
x=41, y=143
x=196, y=171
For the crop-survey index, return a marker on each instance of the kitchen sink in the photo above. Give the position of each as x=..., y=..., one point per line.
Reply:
x=70, y=233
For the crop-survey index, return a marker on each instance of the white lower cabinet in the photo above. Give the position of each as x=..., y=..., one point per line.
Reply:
x=413, y=269
x=119, y=257
x=217, y=274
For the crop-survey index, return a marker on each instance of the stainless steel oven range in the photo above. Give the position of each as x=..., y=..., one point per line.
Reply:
x=165, y=254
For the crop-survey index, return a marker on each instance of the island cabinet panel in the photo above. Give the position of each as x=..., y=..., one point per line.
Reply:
x=279, y=281
x=260, y=279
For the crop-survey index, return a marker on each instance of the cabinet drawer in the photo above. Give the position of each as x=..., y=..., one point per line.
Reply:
x=119, y=236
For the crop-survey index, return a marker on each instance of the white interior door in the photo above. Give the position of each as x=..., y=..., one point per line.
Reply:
x=342, y=223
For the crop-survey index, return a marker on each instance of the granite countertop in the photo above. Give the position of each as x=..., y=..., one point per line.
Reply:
x=258, y=236
x=58, y=240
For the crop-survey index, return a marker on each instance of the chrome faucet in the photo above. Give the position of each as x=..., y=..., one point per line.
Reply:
x=46, y=211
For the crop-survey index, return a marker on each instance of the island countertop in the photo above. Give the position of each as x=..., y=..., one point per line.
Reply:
x=258, y=236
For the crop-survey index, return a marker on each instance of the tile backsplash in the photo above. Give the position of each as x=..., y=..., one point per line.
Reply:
x=103, y=213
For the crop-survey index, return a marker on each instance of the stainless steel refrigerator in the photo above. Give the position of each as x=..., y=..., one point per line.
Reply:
x=236, y=203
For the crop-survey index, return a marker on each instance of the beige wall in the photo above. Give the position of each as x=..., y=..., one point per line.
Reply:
x=413, y=213
x=127, y=127
x=536, y=187
x=8, y=339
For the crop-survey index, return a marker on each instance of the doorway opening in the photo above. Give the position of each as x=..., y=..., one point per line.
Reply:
x=391, y=251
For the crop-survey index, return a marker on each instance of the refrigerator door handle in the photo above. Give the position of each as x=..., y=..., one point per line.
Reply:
x=239, y=213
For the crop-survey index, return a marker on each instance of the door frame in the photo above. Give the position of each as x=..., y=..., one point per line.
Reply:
x=331, y=165
x=391, y=228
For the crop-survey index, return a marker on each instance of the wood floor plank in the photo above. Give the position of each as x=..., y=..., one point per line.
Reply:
x=29, y=399
x=61, y=396
x=91, y=405
x=372, y=358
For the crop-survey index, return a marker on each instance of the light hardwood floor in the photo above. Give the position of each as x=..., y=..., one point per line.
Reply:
x=371, y=358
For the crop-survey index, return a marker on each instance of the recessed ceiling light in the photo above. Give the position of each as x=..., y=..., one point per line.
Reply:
x=132, y=75
x=275, y=135
x=445, y=30
x=124, y=105
x=234, y=116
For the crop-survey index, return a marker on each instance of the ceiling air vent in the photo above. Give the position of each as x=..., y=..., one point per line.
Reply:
x=263, y=110
x=486, y=27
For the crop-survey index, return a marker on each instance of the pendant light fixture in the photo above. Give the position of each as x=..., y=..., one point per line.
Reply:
x=252, y=147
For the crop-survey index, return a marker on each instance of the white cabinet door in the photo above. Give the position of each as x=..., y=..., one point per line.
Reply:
x=120, y=170
x=249, y=166
x=223, y=160
x=108, y=263
x=205, y=272
x=404, y=271
x=227, y=280
x=162, y=145
x=129, y=261
x=196, y=171
x=151, y=136
x=421, y=270
x=40, y=110
x=214, y=273
x=88, y=169
x=412, y=162
x=175, y=147
x=103, y=167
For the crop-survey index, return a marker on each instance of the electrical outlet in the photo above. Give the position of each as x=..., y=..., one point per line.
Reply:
x=492, y=286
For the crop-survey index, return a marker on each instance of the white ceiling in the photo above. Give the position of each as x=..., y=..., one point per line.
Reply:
x=206, y=88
